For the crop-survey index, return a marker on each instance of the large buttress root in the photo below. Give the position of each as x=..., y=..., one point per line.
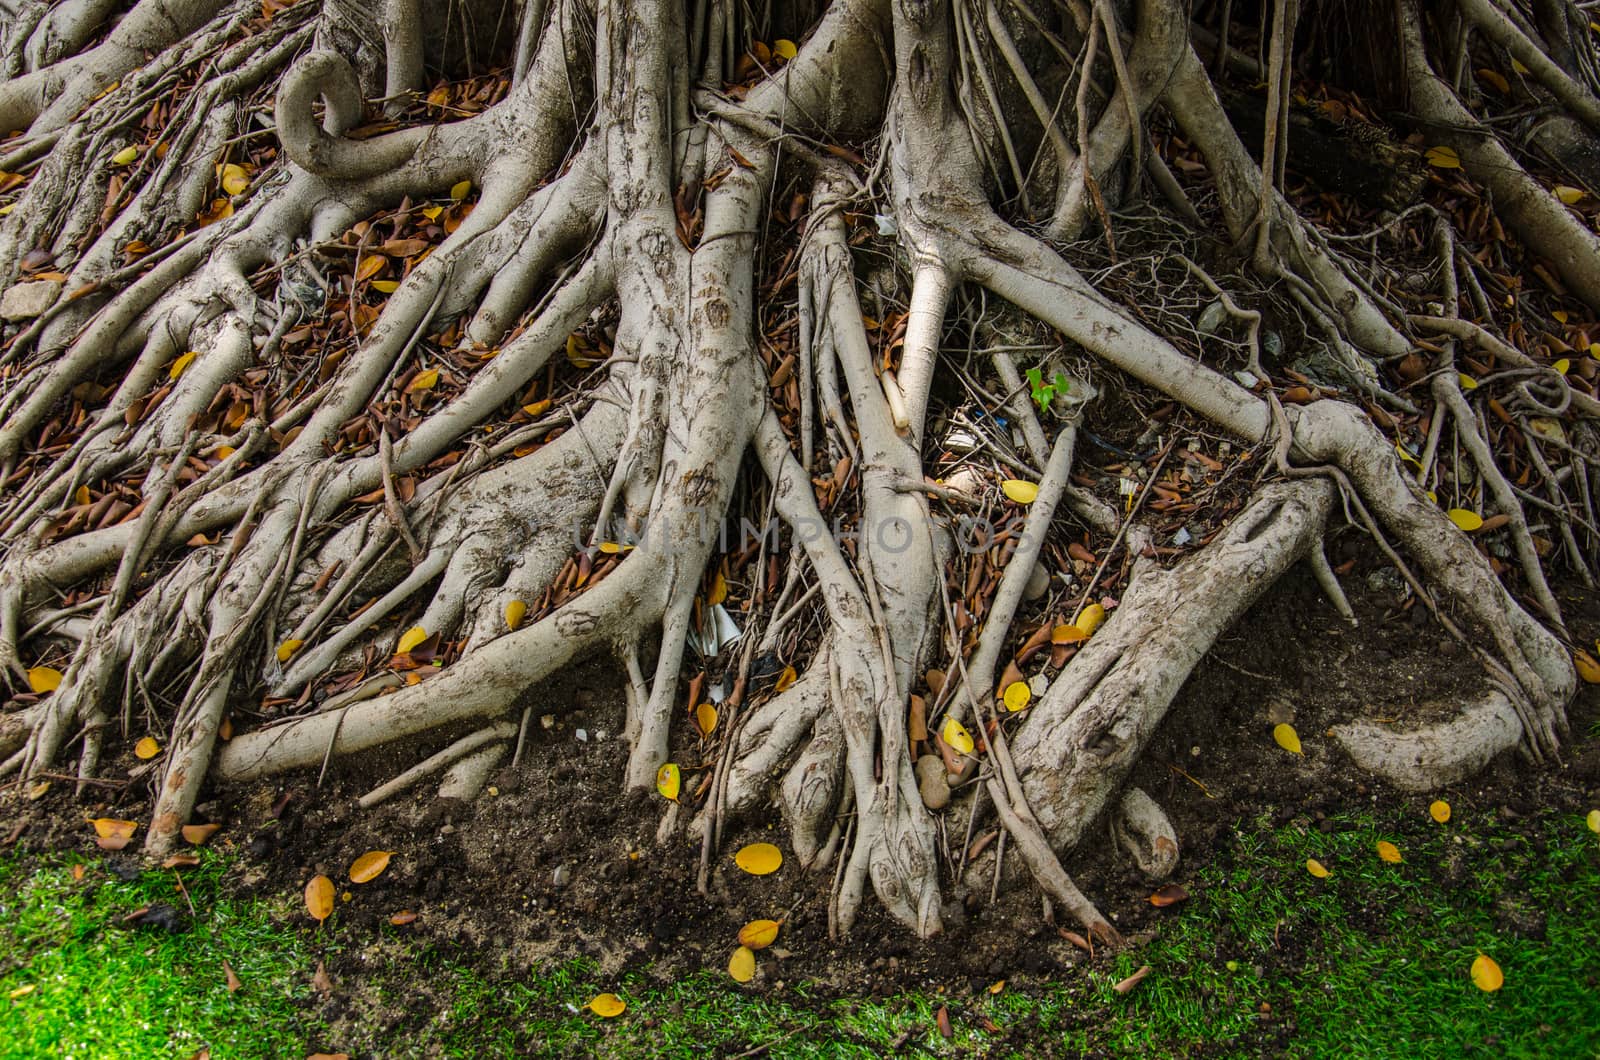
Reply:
x=1076, y=745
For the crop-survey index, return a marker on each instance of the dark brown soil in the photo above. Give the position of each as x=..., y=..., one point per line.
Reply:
x=483, y=877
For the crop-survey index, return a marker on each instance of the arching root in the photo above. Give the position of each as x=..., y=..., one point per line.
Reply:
x=1434, y=756
x=1076, y=744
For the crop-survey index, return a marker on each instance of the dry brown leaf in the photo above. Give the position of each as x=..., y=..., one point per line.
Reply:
x=321, y=982
x=197, y=834
x=233, y=978
x=1132, y=981
x=319, y=900
x=1171, y=894
x=369, y=866
x=112, y=828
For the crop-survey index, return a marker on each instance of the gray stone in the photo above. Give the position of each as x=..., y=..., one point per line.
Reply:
x=1145, y=833
x=932, y=783
x=1038, y=583
x=24, y=301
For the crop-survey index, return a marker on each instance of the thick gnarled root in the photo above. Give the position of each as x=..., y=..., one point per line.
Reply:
x=1075, y=746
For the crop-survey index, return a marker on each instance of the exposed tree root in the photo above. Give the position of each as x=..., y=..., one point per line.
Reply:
x=201, y=508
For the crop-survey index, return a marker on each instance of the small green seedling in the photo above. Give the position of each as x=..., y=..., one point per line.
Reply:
x=1044, y=393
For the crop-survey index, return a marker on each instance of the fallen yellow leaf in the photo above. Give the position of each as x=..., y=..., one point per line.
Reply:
x=1442, y=158
x=1066, y=635
x=607, y=1005
x=1495, y=79
x=516, y=611
x=575, y=353
x=1466, y=381
x=126, y=156
x=181, y=364
x=956, y=735
x=669, y=781
x=234, y=179
x=385, y=286
x=759, y=934
x=461, y=191
x=705, y=718
x=784, y=49
x=1439, y=811
x=410, y=639
x=42, y=679
x=786, y=680
x=1588, y=668
x=1017, y=696
x=1090, y=618
x=742, y=965
x=1568, y=194
x=1317, y=869
x=1389, y=852
x=759, y=859
x=1593, y=820
x=424, y=381
x=1287, y=738
x=146, y=748
x=1466, y=520
x=1020, y=491
x=1486, y=974
x=287, y=649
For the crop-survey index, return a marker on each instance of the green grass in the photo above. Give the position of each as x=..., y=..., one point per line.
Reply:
x=1264, y=959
